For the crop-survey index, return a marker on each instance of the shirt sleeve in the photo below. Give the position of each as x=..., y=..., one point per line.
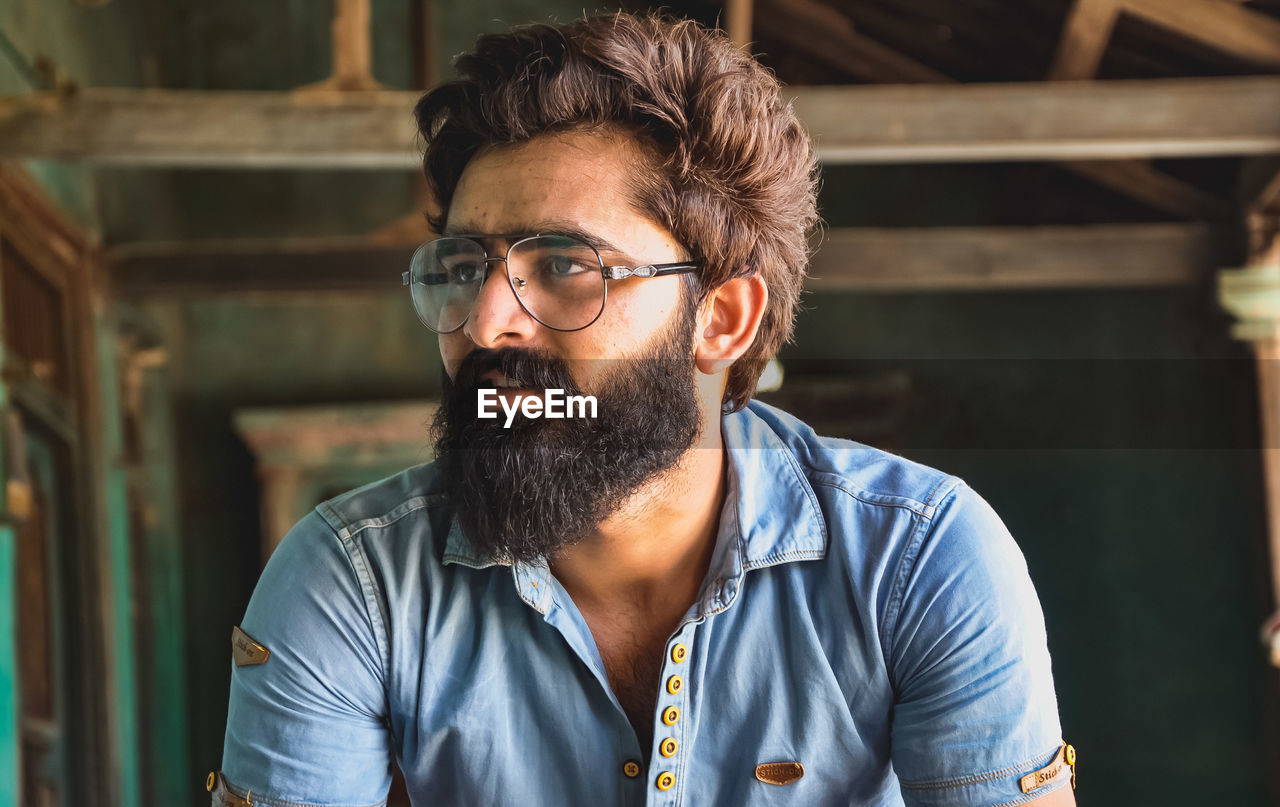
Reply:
x=308, y=725
x=976, y=709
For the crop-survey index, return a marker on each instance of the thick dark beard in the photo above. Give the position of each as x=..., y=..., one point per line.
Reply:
x=526, y=492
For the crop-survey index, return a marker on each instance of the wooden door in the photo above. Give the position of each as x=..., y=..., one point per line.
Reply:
x=68, y=735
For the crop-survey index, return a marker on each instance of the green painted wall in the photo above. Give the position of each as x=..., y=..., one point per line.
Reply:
x=120, y=585
x=9, y=731
x=1115, y=433
x=9, y=728
x=165, y=709
x=228, y=352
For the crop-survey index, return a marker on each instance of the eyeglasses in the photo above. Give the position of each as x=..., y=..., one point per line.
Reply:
x=557, y=279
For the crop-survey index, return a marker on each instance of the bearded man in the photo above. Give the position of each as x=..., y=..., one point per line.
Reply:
x=688, y=599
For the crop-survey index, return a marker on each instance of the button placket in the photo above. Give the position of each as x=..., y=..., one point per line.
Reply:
x=667, y=764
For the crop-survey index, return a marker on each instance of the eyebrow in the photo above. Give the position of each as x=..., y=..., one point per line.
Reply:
x=598, y=242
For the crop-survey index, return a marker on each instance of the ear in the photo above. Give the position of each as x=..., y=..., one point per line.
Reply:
x=728, y=321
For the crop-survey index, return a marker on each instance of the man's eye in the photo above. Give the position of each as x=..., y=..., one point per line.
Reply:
x=562, y=266
x=466, y=272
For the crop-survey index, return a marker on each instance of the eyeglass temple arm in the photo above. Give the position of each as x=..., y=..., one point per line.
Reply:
x=406, y=279
x=648, y=270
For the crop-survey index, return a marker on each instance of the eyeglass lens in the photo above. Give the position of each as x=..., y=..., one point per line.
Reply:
x=558, y=280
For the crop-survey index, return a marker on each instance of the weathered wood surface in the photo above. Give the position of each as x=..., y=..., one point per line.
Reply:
x=924, y=123
x=738, y=22
x=829, y=36
x=214, y=129
x=990, y=258
x=1045, y=121
x=1084, y=38
x=917, y=259
x=1227, y=26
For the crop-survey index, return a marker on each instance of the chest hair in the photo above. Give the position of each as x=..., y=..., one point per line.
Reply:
x=633, y=668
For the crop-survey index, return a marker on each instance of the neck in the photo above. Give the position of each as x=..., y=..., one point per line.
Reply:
x=651, y=556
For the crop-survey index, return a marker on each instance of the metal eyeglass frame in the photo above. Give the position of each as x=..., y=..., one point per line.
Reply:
x=607, y=272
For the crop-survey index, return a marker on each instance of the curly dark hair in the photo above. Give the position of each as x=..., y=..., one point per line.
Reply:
x=729, y=170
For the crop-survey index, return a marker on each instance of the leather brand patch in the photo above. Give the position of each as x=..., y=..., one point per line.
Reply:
x=1046, y=775
x=779, y=773
x=245, y=651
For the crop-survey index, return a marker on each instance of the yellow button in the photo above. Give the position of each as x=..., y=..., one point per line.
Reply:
x=631, y=769
x=678, y=652
x=670, y=715
x=211, y=781
x=669, y=747
x=674, y=684
x=666, y=780
x=1071, y=754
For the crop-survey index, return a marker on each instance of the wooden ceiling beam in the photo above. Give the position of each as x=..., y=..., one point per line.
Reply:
x=1139, y=179
x=1045, y=121
x=212, y=129
x=990, y=258
x=848, y=259
x=1259, y=184
x=858, y=124
x=1223, y=24
x=738, y=22
x=827, y=35
x=352, y=50
x=1084, y=37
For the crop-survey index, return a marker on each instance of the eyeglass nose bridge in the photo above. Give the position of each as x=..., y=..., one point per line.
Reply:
x=516, y=284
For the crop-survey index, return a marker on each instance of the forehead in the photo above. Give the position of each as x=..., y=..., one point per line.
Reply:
x=578, y=178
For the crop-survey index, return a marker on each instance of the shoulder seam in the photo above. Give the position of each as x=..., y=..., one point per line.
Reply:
x=925, y=509
x=938, y=497
x=349, y=529
x=368, y=589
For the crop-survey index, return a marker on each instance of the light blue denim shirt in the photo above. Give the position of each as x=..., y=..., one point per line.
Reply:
x=864, y=616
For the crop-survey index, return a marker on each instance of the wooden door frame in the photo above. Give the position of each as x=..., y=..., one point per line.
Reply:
x=102, y=686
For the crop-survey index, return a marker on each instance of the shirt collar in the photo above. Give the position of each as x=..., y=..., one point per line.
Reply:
x=777, y=512
x=770, y=516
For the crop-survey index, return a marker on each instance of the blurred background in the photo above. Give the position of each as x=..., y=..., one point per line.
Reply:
x=1050, y=266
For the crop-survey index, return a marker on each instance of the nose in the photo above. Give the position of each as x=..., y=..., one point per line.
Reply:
x=497, y=319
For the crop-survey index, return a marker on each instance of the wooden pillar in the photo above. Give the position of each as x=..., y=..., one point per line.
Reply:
x=738, y=22
x=1252, y=295
x=352, y=51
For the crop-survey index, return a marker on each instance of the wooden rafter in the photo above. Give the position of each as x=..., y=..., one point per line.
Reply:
x=921, y=123
x=986, y=258
x=845, y=259
x=738, y=22
x=1268, y=198
x=828, y=35
x=1139, y=179
x=824, y=32
x=1084, y=37
x=1223, y=24
x=352, y=51
x=1087, y=121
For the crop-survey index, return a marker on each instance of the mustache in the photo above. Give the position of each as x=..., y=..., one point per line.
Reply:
x=525, y=367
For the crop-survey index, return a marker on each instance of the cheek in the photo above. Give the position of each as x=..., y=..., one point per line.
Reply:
x=453, y=349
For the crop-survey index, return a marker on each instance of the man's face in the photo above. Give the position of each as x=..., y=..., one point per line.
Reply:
x=575, y=181
x=526, y=491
